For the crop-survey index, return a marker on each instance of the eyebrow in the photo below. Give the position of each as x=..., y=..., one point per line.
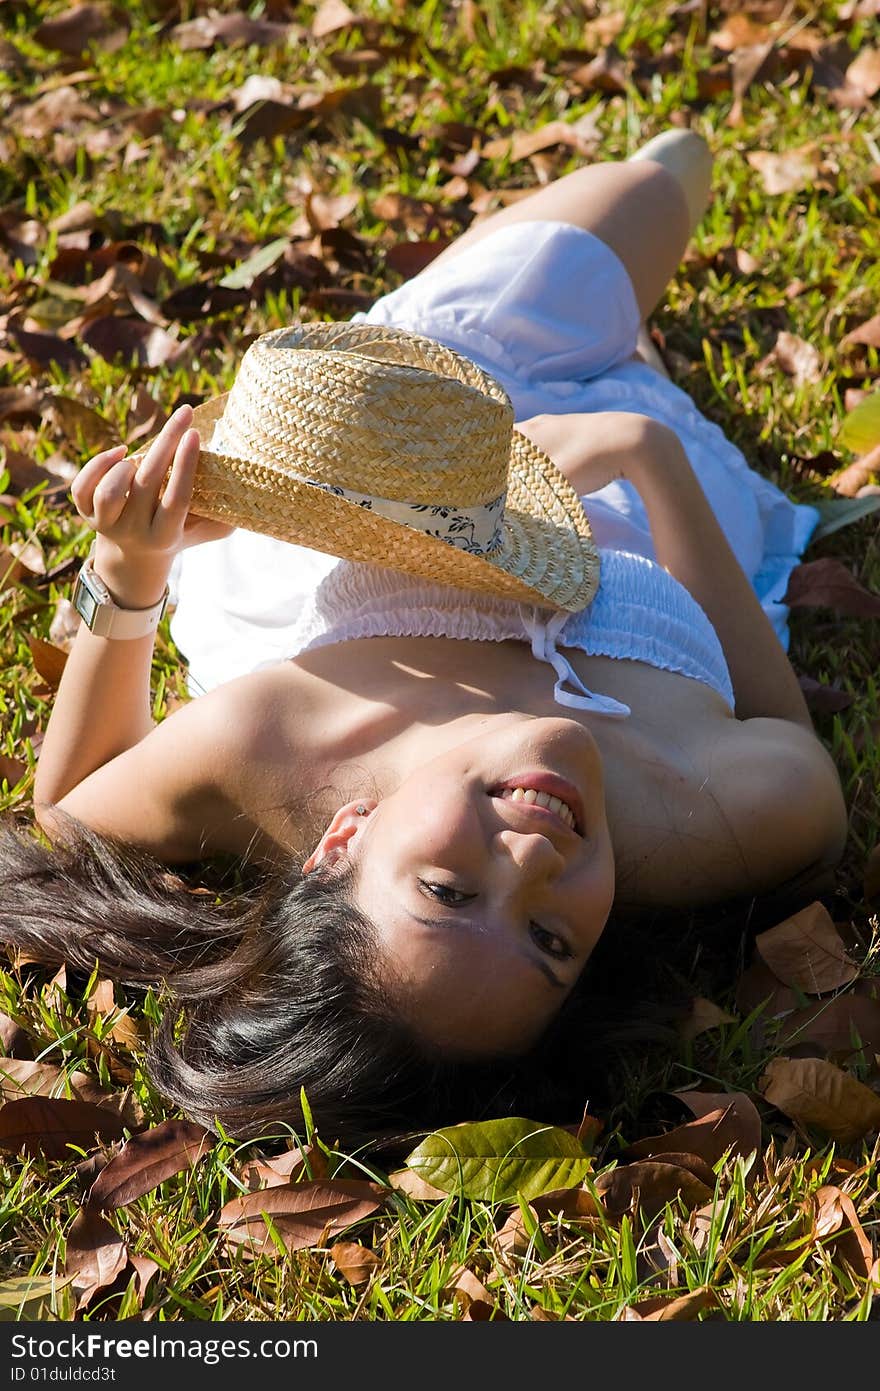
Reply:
x=537, y=962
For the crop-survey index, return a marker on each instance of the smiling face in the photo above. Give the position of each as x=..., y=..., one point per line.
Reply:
x=489, y=875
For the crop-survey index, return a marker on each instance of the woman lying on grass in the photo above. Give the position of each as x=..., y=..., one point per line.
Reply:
x=443, y=789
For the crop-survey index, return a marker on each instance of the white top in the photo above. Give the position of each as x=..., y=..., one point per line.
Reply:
x=550, y=311
x=640, y=612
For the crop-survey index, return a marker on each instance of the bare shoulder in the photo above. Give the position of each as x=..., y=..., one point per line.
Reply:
x=779, y=786
x=181, y=791
x=747, y=805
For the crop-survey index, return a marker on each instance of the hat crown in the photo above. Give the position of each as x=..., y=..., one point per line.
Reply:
x=373, y=411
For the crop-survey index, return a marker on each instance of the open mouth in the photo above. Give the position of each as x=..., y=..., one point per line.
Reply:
x=548, y=791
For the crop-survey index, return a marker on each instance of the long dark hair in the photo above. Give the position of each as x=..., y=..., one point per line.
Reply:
x=272, y=991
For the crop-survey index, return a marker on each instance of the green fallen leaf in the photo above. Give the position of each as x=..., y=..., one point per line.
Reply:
x=34, y=1298
x=838, y=512
x=860, y=428
x=242, y=276
x=497, y=1160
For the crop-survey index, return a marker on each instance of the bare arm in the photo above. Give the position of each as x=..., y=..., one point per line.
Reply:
x=594, y=450
x=102, y=707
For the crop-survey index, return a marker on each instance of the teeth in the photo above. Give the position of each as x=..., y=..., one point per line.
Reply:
x=541, y=799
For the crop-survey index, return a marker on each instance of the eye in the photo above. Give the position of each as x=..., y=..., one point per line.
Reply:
x=550, y=942
x=444, y=893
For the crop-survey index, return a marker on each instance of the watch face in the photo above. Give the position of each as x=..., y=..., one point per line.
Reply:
x=86, y=604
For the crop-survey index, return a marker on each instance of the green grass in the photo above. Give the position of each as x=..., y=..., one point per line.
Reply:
x=199, y=199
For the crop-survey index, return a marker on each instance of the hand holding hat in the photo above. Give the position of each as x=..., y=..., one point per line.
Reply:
x=383, y=446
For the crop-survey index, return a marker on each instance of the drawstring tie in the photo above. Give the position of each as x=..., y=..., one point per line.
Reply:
x=543, y=634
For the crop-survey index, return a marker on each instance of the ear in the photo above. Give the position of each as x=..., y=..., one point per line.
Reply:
x=337, y=838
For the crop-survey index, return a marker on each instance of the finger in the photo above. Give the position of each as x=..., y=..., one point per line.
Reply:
x=174, y=503
x=154, y=465
x=198, y=530
x=83, y=486
x=111, y=494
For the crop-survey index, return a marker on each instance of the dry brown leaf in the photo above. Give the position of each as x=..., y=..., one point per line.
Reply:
x=512, y=1237
x=807, y=952
x=101, y=1001
x=468, y=1286
x=704, y=1015
x=61, y=109
x=797, y=358
x=324, y=212
x=827, y=583
x=649, y=1185
x=741, y=1119
x=573, y=1204
x=834, y=1023
x=415, y=1187
x=96, y=1255
x=143, y=1268
x=21, y=405
x=232, y=30
x=260, y=87
x=684, y=1309
x=858, y=474
x=49, y=661
x=822, y=699
x=14, y=1040
x=707, y=1138
x=331, y=16
x=80, y=425
x=864, y=71
x=478, y=1311
x=867, y=334
x=82, y=217
x=65, y=625
x=146, y=1160
x=788, y=172
x=836, y=1218
x=29, y=555
x=115, y=336
x=408, y=258
x=19, y=1077
x=737, y=259
x=811, y=1091
x=11, y=568
x=354, y=1262
x=738, y=31
x=12, y=770
x=684, y=1159
x=302, y=1214
x=607, y=72
x=759, y=986
x=80, y=28
x=527, y=143
x=50, y=1124
x=308, y=1162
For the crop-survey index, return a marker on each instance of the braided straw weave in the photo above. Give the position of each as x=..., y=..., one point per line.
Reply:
x=396, y=416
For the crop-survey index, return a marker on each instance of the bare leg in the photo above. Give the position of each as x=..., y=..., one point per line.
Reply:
x=644, y=208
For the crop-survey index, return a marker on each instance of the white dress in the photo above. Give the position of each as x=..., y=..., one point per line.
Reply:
x=549, y=310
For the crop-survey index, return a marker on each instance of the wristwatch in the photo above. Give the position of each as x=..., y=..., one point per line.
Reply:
x=103, y=617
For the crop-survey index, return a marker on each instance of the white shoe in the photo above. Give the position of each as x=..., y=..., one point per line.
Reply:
x=686, y=155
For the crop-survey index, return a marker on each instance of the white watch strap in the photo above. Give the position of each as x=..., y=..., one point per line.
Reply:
x=114, y=622
x=107, y=619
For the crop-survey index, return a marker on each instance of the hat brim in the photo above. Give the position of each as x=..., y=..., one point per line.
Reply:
x=547, y=555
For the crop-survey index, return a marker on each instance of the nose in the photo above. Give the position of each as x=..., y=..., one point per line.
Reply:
x=534, y=858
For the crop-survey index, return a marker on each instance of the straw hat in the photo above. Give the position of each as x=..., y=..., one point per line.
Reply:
x=380, y=445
